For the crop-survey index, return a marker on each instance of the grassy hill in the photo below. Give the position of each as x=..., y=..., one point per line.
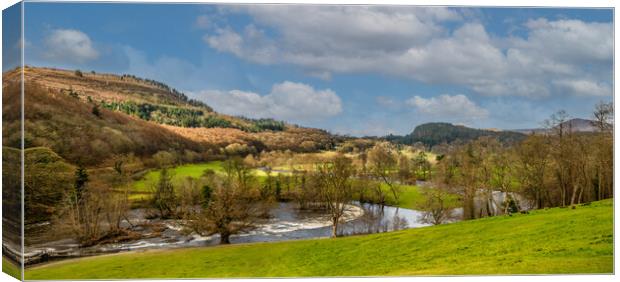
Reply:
x=553, y=241
x=434, y=133
x=88, y=117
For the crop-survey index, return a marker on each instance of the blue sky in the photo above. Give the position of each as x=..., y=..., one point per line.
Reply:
x=355, y=70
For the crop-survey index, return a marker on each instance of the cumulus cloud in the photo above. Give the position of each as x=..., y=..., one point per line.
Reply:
x=415, y=43
x=456, y=107
x=290, y=101
x=583, y=87
x=69, y=45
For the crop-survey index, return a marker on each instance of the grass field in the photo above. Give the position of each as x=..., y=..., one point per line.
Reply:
x=410, y=195
x=560, y=240
x=179, y=173
x=142, y=188
x=11, y=268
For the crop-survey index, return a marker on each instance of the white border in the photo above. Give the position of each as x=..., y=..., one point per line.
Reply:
x=470, y=3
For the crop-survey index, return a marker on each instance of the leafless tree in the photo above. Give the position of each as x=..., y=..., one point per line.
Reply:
x=603, y=116
x=234, y=204
x=335, y=187
x=383, y=163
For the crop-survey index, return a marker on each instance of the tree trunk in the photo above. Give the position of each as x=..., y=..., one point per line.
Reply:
x=334, y=227
x=224, y=238
x=573, y=197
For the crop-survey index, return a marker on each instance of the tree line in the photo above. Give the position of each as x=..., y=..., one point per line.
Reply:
x=187, y=117
x=555, y=169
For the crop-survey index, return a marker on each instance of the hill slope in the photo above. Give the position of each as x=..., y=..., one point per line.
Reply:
x=575, y=125
x=89, y=117
x=434, y=133
x=553, y=241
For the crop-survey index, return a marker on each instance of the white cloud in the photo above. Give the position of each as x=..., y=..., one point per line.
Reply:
x=226, y=40
x=457, y=107
x=290, y=101
x=570, y=40
x=413, y=42
x=354, y=33
x=583, y=87
x=69, y=45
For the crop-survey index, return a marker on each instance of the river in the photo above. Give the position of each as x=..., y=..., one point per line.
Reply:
x=287, y=222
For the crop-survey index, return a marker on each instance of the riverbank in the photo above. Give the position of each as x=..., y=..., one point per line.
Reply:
x=409, y=198
x=553, y=241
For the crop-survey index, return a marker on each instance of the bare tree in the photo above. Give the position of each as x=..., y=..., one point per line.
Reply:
x=558, y=123
x=335, y=187
x=83, y=211
x=233, y=206
x=438, y=206
x=383, y=163
x=405, y=171
x=603, y=116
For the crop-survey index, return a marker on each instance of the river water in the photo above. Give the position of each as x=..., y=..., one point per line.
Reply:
x=287, y=222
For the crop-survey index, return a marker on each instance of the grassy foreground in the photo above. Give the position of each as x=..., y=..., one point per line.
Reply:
x=11, y=268
x=560, y=240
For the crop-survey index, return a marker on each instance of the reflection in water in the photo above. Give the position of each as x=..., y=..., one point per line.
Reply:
x=287, y=222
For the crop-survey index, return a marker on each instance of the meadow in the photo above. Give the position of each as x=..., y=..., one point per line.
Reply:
x=11, y=268
x=410, y=195
x=547, y=241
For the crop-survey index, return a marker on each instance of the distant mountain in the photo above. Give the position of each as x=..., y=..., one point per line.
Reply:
x=431, y=134
x=574, y=125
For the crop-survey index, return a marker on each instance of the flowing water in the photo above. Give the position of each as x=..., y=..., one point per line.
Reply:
x=287, y=222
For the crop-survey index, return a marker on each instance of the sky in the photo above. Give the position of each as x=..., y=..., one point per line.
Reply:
x=357, y=70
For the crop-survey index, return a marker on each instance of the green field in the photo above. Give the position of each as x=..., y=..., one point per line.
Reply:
x=142, y=188
x=179, y=173
x=409, y=194
x=559, y=240
x=11, y=268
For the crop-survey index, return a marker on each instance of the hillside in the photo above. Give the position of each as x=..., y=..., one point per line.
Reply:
x=575, y=125
x=143, y=98
x=553, y=241
x=431, y=134
x=88, y=117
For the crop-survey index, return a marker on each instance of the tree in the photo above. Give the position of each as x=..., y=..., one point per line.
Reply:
x=533, y=168
x=558, y=123
x=81, y=177
x=438, y=206
x=335, y=189
x=96, y=111
x=603, y=116
x=383, y=165
x=164, y=158
x=84, y=207
x=47, y=179
x=164, y=198
x=603, y=150
x=422, y=165
x=78, y=73
x=405, y=172
x=115, y=207
x=232, y=206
